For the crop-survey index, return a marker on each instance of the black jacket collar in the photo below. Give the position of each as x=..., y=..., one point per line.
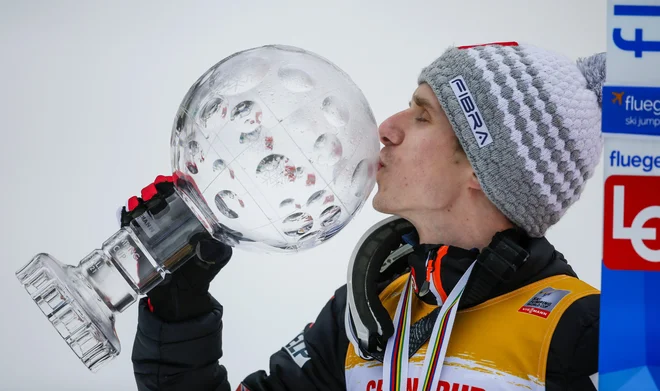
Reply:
x=542, y=260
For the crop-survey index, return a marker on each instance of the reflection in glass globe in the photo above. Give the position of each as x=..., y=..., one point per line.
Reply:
x=275, y=149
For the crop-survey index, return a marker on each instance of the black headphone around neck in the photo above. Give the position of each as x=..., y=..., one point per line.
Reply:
x=376, y=259
x=368, y=324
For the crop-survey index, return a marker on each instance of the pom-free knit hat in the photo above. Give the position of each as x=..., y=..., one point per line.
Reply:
x=529, y=121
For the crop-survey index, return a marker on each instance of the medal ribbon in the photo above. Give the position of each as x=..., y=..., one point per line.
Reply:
x=395, y=376
x=395, y=365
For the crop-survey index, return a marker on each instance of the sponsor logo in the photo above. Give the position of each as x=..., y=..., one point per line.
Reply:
x=298, y=350
x=632, y=223
x=637, y=45
x=471, y=111
x=631, y=103
x=542, y=303
x=645, y=105
x=414, y=384
x=631, y=110
x=647, y=163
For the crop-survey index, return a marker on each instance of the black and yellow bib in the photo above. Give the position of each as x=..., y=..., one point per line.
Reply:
x=501, y=344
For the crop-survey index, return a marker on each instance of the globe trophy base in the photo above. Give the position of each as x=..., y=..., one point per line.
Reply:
x=75, y=310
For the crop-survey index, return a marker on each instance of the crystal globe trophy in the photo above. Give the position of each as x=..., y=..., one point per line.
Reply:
x=273, y=149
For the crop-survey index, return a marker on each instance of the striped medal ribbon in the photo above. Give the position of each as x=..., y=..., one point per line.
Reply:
x=395, y=363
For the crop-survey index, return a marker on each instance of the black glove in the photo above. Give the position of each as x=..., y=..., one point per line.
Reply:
x=185, y=293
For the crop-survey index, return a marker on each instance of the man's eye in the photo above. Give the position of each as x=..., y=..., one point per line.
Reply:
x=420, y=119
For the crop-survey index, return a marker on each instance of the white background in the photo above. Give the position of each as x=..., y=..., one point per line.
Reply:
x=88, y=94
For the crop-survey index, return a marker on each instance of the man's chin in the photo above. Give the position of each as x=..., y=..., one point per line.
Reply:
x=380, y=204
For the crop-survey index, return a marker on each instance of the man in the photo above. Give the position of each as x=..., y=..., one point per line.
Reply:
x=461, y=291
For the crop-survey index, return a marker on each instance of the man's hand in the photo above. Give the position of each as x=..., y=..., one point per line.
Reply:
x=184, y=293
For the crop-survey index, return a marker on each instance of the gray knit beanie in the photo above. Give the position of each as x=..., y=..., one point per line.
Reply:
x=528, y=120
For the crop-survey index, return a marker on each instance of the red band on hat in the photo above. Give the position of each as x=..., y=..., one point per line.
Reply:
x=509, y=43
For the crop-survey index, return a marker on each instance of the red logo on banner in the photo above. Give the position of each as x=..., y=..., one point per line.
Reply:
x=632, y=223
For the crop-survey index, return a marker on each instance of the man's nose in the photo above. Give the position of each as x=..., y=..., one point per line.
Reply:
x=391, y=131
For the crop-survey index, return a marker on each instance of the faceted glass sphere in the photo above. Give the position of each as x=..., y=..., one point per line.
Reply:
x=275, y=148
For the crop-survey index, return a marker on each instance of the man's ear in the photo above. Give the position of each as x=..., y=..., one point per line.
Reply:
x=474, y=182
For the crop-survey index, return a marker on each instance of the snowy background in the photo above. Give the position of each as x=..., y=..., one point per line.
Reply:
x=87, y=99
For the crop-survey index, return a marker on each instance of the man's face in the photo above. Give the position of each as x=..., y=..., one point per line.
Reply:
x=422, y=167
